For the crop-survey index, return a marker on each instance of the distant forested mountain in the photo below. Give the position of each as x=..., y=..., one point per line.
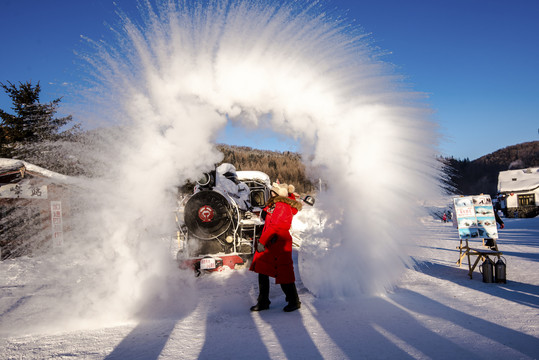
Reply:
x=481, y=175
x=463, y=176
x=286, y=166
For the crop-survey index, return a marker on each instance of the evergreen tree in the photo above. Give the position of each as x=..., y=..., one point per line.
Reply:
x=32, y=121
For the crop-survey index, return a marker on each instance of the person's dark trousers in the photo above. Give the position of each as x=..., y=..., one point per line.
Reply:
x=291, y=297
x=263, y=295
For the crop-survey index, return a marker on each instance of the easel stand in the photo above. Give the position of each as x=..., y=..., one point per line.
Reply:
x=482, y=254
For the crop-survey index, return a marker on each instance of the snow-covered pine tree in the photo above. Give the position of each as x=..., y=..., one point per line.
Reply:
x=32, y=131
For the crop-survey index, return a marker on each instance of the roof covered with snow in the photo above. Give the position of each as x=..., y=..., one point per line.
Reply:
x=518, y=180
x=8, y=165
x=254, y=175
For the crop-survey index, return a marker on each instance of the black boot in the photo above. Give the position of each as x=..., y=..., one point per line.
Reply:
x=291, y=297
x=260, y=306
x=263, y=296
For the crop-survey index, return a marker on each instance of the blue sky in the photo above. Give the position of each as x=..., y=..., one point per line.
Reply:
x=477, y=60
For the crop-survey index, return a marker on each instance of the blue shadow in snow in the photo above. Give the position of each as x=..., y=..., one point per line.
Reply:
x=523, y=343
x=145, y=341
x=520, y=293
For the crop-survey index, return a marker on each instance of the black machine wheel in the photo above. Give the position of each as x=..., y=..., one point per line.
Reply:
x=208, y=215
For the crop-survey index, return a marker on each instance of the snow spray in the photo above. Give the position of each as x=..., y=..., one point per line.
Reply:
x=174, y=77
x=182, y=69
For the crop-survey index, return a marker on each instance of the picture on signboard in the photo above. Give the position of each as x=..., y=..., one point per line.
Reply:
x=467, y=222
x=486, y=221
x=463, y=202
x=468, y=233
x=484, y=211
x=482, y=200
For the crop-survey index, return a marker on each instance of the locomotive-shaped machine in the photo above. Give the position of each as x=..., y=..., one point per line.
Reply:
x=219, y=223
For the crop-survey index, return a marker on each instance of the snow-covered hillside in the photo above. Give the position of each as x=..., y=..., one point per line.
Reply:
x=435, y=311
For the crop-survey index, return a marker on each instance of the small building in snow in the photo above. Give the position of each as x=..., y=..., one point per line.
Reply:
x=519, y=192
x=34, y=203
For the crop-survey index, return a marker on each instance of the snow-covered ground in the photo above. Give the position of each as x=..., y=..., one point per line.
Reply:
x=435, y=312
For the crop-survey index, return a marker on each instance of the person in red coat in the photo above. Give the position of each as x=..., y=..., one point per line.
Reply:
x=274, y=257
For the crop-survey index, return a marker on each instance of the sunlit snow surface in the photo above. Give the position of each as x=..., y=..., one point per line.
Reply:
x=435, y=312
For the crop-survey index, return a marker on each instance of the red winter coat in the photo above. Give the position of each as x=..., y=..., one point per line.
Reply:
x=276, y=259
